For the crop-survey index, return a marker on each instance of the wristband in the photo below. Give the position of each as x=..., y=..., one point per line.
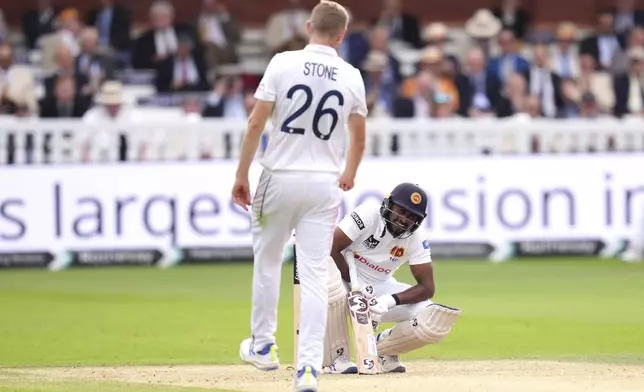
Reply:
x=396, y=299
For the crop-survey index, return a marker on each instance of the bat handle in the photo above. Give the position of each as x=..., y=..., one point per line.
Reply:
x=353, y=274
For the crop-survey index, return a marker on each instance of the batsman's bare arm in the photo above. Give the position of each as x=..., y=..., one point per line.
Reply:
x=357, y=142
x=340, y=243
x=256, y=124
x=424, y=288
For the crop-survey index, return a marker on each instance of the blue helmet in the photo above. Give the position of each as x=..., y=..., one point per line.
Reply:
x=412, y=199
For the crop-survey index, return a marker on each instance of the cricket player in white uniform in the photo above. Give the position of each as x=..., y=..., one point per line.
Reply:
x=313, y=95
x=380, y=239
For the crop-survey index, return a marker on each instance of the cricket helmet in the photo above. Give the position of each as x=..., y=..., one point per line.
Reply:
x=413, y=200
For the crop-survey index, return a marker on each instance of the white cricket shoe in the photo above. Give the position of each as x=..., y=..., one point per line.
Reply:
x=392, y=364
x=306, y=380
x=341, y=365
x=264, y=359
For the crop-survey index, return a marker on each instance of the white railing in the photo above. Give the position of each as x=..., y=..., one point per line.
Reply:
x=56, y=141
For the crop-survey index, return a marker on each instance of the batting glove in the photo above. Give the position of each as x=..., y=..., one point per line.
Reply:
x=383, y=304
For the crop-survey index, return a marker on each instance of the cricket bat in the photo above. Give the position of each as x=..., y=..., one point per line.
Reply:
x=296, y=306
x=364, y=341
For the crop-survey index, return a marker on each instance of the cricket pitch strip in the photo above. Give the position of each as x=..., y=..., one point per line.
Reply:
x=453, y=376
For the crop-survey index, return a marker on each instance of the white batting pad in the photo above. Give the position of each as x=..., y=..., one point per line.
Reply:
x=336, y=339
x=430, y=326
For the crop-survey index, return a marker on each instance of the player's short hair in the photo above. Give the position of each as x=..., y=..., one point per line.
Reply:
x=329, y=18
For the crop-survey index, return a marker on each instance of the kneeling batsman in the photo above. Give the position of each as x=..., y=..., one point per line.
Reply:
x=381, y=238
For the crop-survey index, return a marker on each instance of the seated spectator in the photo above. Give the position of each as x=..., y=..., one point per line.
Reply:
x=514, y=96
x=437, y=35
x=597, y=82
x=513, y=17
x=416, y=102
x=533, y=107
x=39, y=22
x=603, y=45
x=380, y=90
x=65, y=102
x=479, y=91
x=442, y=106
x=220, y=34
x=564, y=53
x=286, y=29
x=379, y=41
x=17, y=86
x=571, y=97
x=113, y=24
x=629, y=87
x=402, y=26
x=109, y=108
x=161, y=41
x=355, y=46
x=621, y=63
x=97, y=66
x=228, y=98
x=626, y=18
x=66, y=67
x=66, y=34
x=544, y=84
x=482, y=28
x=588, y=106
x=509, y=62
x=185, y=71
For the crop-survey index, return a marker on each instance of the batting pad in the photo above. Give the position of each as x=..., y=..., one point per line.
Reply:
x=336, y=339
x=430, y=326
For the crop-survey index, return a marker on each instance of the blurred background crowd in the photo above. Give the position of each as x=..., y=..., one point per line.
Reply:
x=59, y=62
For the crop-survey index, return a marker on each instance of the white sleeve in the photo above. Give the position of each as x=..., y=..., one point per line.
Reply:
x=358, y=223
x=360, y=106
x=267, y=89
x=420, y=251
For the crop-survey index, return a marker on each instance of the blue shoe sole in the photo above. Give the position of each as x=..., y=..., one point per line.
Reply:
x=351, y=370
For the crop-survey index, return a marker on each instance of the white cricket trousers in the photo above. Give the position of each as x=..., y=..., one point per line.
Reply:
x=398, y=313
x=307, y=202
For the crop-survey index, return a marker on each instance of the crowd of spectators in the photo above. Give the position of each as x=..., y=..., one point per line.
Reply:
x=498, y=63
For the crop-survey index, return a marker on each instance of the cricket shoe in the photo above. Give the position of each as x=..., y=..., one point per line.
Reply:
x=264, y=359
x=306, y=380
x=392, y=364
x=341, y=365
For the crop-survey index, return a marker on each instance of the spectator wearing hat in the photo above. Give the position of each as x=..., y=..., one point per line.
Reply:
x=629, y=87
x=110, y=108
x=380, y=89
x=509, y=61
x=482, y=28
x=513, y=17
x=604, y=44
x=183, y=72
x=39, y=22
x=437, y=34
x=402, y=26
x=66, y=34
x=564, y=52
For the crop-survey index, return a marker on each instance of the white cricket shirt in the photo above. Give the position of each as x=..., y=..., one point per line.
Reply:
x=315, y=91
x=377, y=254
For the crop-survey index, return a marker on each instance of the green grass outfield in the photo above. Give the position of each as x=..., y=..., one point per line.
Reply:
x=573, y=309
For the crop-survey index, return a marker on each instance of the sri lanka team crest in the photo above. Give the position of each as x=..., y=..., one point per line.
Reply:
x=396, y=253
x=416, y=198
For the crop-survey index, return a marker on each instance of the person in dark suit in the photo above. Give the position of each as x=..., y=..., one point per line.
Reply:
x=509, y=61
x=604, y=45
x=544, y=84
x=183, y=72
x=94, y=65
x=478, y=91
x=113, y=23
x=514, y=17
x=161, y=41
x=629, y=87
x=65, y=103
x=65, y=66
x=228, y=97
x=626, y=17
x=402, y=26
x=39, y=22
